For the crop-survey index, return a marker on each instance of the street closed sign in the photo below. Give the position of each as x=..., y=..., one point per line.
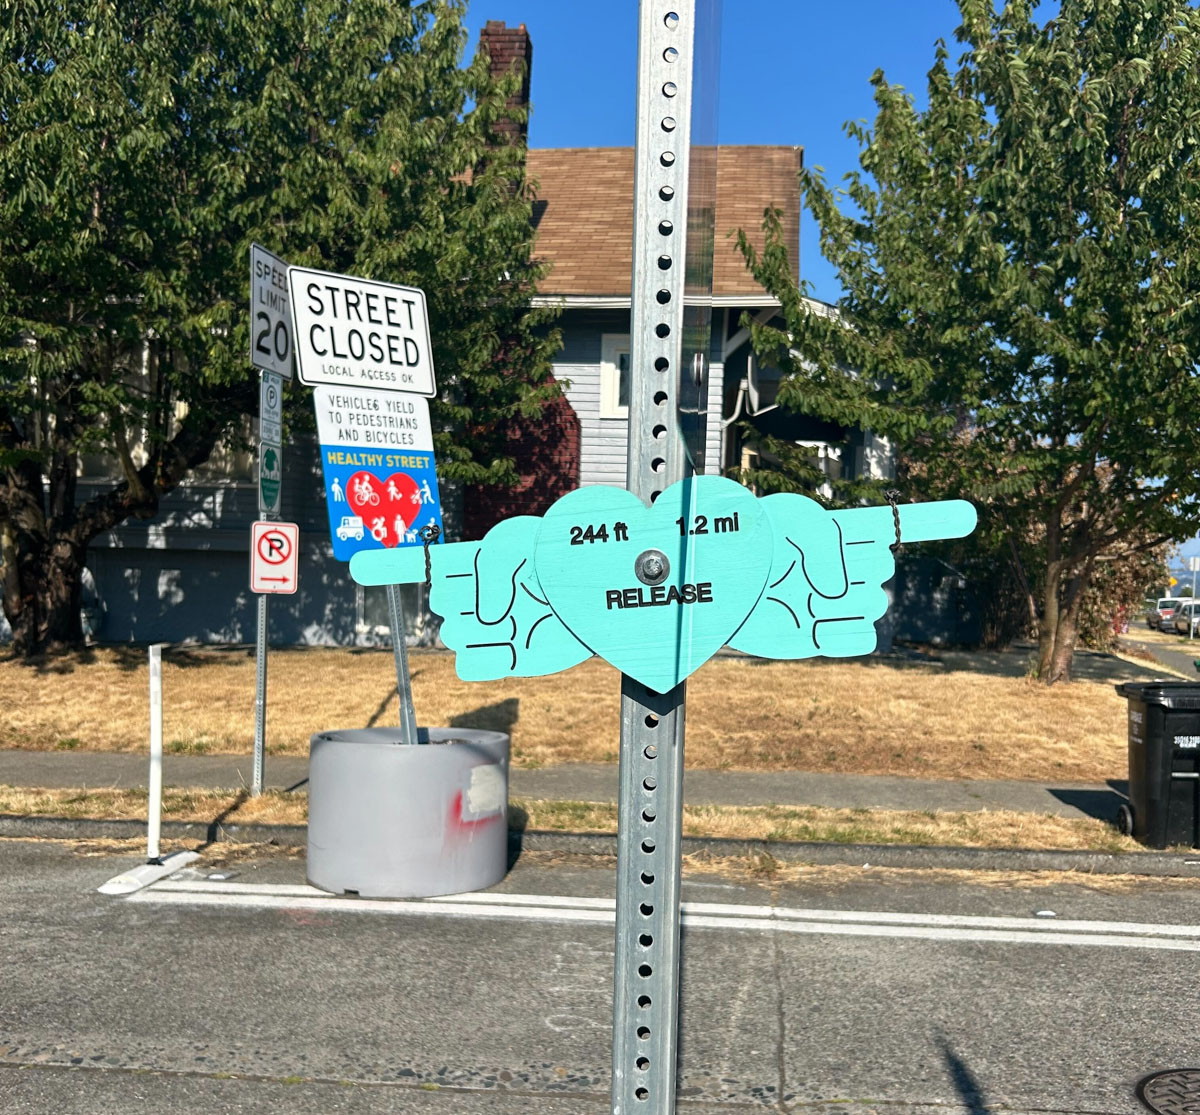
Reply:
x=354, y=332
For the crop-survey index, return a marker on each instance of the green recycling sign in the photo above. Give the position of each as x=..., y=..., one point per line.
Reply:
x=270, y=478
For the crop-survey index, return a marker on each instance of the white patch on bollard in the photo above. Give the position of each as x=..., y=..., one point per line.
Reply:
x=487, y=792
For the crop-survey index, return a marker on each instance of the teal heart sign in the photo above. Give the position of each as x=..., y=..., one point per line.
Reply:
x=656, y=591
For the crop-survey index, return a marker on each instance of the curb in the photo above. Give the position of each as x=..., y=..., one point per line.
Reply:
x=1149, y=864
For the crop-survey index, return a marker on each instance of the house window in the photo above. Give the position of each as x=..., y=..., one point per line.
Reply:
x=614, y=375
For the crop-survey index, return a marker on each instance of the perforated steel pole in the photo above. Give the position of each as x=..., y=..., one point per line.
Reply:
x=646, y=976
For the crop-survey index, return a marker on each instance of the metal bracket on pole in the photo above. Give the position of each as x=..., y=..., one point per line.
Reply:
x=646, y=966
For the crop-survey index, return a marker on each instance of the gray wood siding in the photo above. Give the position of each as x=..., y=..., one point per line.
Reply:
x=603, y=441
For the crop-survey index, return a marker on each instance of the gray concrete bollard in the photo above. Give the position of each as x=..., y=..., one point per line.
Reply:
x=393, y=820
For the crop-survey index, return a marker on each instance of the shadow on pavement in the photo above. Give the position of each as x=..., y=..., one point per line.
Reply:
x=965, y=1082
x=1101, y=804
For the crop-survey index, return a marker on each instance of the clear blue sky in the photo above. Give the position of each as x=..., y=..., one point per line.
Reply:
x=791, y=73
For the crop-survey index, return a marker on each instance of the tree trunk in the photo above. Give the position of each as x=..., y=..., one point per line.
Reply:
x=42, y=565
x=1058, y=640
x=1063, y=655
x=1048, y=623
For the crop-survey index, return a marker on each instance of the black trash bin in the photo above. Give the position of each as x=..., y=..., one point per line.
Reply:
x=1164, y=773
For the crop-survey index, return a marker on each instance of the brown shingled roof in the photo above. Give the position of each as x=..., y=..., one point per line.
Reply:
x=584, y=214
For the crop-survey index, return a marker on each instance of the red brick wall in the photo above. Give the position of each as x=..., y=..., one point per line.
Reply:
x=546, y=452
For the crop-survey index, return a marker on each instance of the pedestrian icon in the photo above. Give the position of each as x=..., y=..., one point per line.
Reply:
x=335, y=490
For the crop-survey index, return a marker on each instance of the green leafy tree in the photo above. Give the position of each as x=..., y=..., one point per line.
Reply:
x=143, y=147
x=1021, y=266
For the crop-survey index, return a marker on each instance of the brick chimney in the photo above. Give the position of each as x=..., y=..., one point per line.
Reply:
x=508, y=47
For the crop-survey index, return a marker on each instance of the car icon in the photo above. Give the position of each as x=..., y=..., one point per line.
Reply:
x=351, y=527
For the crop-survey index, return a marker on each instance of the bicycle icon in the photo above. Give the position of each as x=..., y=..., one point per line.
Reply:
x=364, y=493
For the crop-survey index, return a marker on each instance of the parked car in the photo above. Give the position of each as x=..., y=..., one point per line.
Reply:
x=1167, y=622
x=1186, y=619
x=1165, y=607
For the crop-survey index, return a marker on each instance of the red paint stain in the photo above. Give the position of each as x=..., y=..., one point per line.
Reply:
x=459, y=826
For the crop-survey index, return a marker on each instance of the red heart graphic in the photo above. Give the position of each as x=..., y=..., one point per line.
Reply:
x=386, y=507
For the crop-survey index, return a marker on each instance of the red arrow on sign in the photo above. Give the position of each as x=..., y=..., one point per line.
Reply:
x=281, y=580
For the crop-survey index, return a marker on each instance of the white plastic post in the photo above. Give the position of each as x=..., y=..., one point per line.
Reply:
x=154, y=822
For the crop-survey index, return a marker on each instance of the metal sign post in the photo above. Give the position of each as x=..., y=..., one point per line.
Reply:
x=271, y=350
x=274, y=557
x=656, y=579
x=646, y=974
x=1194, y=566
x=260, y=696
x=270, y=491
x=154, y=815
x=408, y=716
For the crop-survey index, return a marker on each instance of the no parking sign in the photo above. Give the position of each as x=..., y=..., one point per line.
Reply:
x=274, y=553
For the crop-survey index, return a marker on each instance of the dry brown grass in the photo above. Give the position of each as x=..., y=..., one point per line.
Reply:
x=942, y=828
x=274, y=807
x=866, y=716
x=1143, y=634
x=983, y=829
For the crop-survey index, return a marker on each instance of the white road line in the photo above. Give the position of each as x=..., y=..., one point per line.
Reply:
x=396, y=907
x=727, y=910
x=695, y=915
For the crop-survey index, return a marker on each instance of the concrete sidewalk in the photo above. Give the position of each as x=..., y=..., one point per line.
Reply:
x=1179, y=657
x=594, y=782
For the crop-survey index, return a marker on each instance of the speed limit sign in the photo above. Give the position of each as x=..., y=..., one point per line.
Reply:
x=270, y=314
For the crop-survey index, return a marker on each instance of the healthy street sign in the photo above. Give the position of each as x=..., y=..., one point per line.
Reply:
x=377, y=454
x=354, y=332
x=270, y=320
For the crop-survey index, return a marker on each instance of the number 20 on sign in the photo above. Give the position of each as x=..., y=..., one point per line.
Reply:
x=270, y=316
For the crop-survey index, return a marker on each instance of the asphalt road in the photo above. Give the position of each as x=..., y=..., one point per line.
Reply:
x=232, y=996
